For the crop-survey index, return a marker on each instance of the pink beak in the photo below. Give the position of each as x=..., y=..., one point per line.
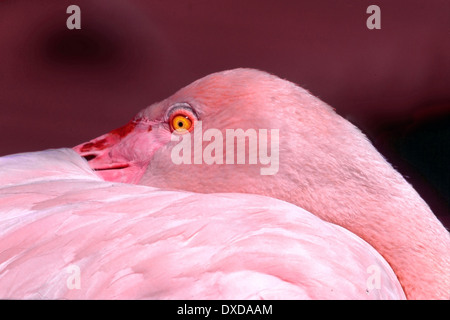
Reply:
x=108, y=157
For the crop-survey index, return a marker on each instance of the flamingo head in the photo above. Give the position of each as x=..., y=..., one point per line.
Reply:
x=285, y=131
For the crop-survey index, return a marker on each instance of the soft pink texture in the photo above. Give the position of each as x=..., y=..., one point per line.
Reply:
x=327, y=167
x=134, y=242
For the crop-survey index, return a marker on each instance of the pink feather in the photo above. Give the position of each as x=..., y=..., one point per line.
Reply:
x=330, y=224
x=133, y=242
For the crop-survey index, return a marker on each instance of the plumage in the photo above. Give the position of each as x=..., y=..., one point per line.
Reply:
x=333, y=216
x=133, y=241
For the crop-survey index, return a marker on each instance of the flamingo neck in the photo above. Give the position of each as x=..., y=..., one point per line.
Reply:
x=383, y=209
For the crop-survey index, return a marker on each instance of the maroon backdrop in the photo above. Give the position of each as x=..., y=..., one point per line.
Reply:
x=60, y=87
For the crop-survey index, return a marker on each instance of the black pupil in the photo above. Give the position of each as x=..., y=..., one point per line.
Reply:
x=180, y=124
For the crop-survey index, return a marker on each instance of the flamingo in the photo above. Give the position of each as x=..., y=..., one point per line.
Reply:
x=334, y=217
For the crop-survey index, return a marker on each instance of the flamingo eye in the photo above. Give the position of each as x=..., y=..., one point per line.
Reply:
x=182, y=118
x=181, y=123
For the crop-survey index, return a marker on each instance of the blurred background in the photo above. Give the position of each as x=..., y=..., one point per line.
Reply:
x=61, y=87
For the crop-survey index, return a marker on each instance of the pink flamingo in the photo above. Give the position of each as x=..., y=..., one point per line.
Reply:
x=331, y=222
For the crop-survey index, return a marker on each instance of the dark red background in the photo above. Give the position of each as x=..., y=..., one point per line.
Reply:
x=60, y=87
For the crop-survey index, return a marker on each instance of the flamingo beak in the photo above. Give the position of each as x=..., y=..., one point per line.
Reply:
x=105, y=155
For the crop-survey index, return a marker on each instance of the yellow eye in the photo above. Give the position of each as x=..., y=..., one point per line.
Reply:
x=181, y=123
